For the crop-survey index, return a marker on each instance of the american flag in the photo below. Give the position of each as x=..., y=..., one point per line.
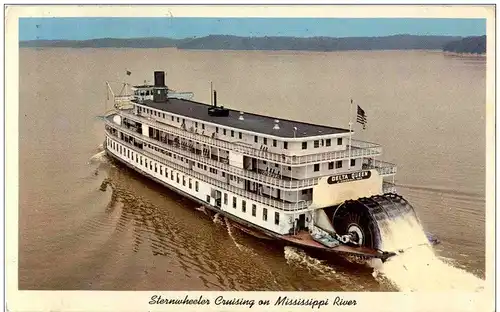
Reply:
x=361, y=117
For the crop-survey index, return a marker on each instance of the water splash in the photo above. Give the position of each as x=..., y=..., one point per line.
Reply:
x=417, y=267
x=100, y=157
x=231, y=234
x=295, y=256
x=217, y=219
x=202, y=209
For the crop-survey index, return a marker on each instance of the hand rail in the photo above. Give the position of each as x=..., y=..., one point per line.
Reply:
x=255, y=177
x=258, y=198
x=361, y=150
x=384, y=168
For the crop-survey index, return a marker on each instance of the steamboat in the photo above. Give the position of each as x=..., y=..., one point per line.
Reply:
x=308, y=185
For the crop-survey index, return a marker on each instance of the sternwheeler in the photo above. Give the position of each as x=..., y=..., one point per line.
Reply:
x=308, y=185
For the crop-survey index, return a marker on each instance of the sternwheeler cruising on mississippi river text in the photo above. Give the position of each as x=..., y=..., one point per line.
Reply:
x=308, y=185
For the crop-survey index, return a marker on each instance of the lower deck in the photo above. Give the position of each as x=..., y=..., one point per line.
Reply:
x=263, y=216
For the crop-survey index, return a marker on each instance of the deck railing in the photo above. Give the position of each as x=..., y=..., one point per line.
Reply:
x=358, y=148
x=253, y=176
x=388, y=187
x=255, y=197
x=384, y=168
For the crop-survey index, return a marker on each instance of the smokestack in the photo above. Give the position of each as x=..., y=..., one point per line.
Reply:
x=215, y=98
x=159, y=79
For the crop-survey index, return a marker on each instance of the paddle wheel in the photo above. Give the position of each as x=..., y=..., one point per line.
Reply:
x=361, y=222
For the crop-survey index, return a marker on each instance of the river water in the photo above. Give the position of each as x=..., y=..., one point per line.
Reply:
x=427, y=109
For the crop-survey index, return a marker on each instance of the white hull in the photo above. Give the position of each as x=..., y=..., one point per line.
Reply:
x=179, y=182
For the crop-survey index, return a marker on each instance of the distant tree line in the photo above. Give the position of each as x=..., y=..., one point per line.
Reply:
x=222, y=42
x=475, y=45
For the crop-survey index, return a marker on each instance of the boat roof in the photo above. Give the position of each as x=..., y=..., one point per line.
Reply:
x=252, y=122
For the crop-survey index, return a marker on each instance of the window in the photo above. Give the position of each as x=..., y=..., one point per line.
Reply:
x=163, y=115
x=264, y=162
x=256, y=139
x=290, y=168
x=208, y=198
x=183, y=180
x=304, y=145
x=276, y=218
x=285, y=145
x=196, y=124
x=264, y=214
x=177, y=176
x=225, y=198
x=240, y=136
x=316, y=167
x=196, y=186
x=339, y=141
x=316, y=143
x=254, y=210
x=243, y=206
x=223, y=174
x=234, y=202
x=232, y=133
x=203, y=126
x=338, y=164
x=304, y=192
x=216, y=129
x=190, y=183
x=328, y=142
x=166, y=172
x=265, y=141
x=276, y=165
x=178, y=120
x=171, y=175
x=330, y=165
x=353, y=162
x=224, y=131
x=275, y=143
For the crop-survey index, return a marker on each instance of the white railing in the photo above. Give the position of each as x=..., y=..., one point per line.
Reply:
x=384, y=168
x=388, y=187
x=255, y=177
x=358, y=148
x=258, y=198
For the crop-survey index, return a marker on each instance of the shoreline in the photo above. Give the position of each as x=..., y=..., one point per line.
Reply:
x=465, y=54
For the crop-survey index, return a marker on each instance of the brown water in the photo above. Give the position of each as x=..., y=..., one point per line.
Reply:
x=425, y=108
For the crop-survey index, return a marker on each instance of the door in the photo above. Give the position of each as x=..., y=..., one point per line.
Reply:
x=301, y=224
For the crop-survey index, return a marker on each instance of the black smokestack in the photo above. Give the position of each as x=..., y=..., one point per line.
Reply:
x=215, y=98
x=159, y=79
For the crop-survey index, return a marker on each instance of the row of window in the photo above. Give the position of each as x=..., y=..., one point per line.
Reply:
x=145, y=162
x=178, y=178
x=316, y=143
x=335, y=165
x=254, y=209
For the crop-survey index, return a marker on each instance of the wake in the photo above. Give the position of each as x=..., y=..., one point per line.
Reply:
x=417, y=267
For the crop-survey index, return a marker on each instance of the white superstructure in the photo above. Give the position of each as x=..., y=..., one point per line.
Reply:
x=273, y=174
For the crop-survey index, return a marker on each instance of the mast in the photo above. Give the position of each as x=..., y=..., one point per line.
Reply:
x=350, y=135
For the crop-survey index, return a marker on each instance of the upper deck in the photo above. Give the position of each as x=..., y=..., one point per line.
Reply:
x=250, y=122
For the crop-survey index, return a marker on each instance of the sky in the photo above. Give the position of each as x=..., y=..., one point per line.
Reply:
x=180, y=27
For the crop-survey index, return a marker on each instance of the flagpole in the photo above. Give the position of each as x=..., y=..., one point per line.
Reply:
x=350, y=135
